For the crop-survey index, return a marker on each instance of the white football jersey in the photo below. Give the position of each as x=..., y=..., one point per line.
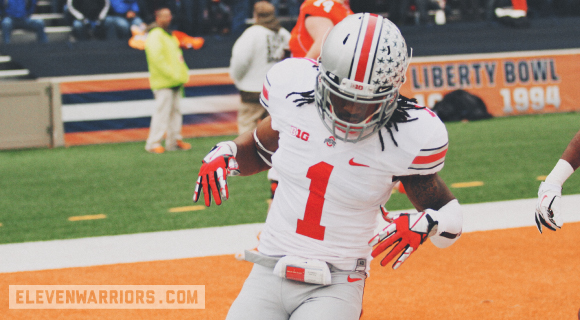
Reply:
x=329, y=191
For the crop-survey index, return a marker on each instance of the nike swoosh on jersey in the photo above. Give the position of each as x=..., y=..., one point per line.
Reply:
x=356, y=164
x=349, y=279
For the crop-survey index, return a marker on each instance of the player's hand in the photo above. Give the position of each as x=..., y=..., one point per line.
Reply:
x=548, y=207
x=406, y=232
x=212, y=179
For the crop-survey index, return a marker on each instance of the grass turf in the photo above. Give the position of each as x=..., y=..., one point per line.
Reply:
x=41, y=188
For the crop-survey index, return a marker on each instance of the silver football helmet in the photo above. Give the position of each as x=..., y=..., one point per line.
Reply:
x=362, y=66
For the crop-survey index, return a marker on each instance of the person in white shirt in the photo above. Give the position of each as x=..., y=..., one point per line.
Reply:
x=254, y=53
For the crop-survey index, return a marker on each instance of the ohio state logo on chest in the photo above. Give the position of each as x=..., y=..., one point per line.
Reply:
x=300, y=134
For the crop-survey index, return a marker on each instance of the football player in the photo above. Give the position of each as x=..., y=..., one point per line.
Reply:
x=340, y=136
x=548, y=211
x=316, y=18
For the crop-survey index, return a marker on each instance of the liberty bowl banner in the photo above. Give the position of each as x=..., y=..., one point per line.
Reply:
x=511, y=83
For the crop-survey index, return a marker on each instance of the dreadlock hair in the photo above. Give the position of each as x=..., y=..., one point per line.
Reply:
x=400, y=115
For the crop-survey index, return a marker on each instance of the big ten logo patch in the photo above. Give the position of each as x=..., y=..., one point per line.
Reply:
x=299, y=133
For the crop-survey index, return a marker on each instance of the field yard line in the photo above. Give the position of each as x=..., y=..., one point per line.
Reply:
x=167, y=245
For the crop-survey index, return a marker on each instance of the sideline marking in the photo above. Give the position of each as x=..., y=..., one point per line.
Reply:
x=467, y=184
x=541, y=178
x=169, y=245
x=186, y=209
x=87, y=217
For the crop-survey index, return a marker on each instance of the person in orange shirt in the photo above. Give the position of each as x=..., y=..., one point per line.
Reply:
x=316, y=18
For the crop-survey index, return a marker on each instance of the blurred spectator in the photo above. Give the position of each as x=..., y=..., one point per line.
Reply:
x=123, y=15
x=314, y=21
x=400, y=11
x=217, y=17
x=167, y=75
x=57, y=6
x=287, y=7
x=16, y=15
x=254, y=53
x=470, y=10
x=185, y=16
x=241, y=12
x=196, y=16
x=147, y=10
x=189, y=15
x=418, y=11
x=89, y=18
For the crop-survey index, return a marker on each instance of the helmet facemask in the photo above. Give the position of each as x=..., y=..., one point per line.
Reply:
x=353, y=117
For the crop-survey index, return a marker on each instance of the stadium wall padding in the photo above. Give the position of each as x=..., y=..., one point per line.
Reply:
x=114, y=108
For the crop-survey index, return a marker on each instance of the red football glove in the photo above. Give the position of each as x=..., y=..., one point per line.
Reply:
x=407, y=231
x=212, y=179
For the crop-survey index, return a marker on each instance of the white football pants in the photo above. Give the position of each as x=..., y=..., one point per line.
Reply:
x=269, y=297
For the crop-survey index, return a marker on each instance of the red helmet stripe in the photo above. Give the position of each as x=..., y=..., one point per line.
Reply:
x=366, y=48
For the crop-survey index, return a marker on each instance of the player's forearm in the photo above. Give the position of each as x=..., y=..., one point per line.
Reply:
x=427, y=191
x=247, y=155
x=572, y=152
x=568, y=163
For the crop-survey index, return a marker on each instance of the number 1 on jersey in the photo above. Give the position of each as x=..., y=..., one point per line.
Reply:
x=319, y=174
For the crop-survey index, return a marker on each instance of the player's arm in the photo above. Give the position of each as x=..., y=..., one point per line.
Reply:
x=548, y=212
x=439, y=218
x=426, y=191
x=255, y=148
x=430, y=194
x=317, y=27
x=572, y=152
x=248, y=154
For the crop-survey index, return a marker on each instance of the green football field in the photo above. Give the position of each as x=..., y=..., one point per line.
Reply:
x=114, y=189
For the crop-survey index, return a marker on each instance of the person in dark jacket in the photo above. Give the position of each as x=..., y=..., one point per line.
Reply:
x=16, y=15
x=124, y=15
x=89, y=17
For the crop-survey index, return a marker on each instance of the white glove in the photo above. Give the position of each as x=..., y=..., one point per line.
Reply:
x=548, y=211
